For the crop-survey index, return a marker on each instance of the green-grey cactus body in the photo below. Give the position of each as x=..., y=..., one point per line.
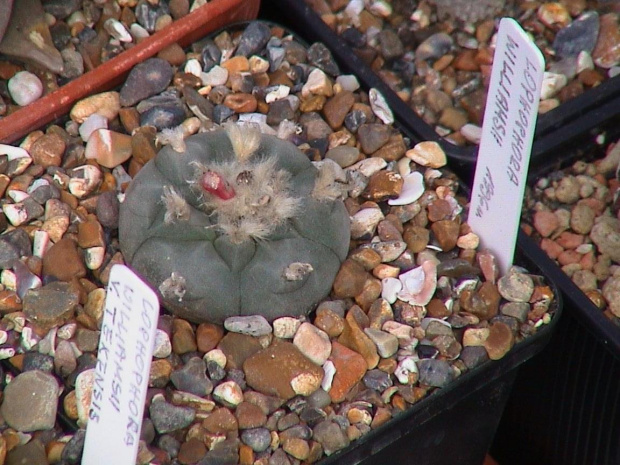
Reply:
x=234, y=223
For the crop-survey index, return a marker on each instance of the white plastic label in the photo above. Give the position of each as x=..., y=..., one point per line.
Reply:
x=122, y=370
x=506, y=144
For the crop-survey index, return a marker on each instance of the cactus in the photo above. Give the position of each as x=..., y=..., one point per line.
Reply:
x=233, y=222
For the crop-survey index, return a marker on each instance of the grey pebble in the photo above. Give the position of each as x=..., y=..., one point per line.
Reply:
x=51, y=304
x=215, y=371
x=221, y=113
x=30, y=401
x=580, y=35
x=147, y=13
x=390, y=43
x=31, y=453
x=436, y=373
x=60, y=9
x=331, y=436
x=377, y=380
x=37, y=361
x=253, y=325
x=146, y=79
x=222, y=453
x=320, y=56
x=472, y=356
x=72, y=452
x=167, y=417
x=253, y=39
x=435, y=46
x=107, y=209
x=192, y=378
x=169, y=444
x=258, y=439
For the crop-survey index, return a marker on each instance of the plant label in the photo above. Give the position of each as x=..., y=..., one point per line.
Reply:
x=122, y=370
x=506, y=143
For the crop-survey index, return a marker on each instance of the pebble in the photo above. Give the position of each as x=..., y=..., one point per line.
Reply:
x=192, y=378
x=516, y=287
x=51, y=305
x=228, y=393
x=106, y=104
x=313, y=343
x=253, y=325
x=434, y=372
x=30, y=401
x=24, y=88
x=331, y=437
x=277, y=369
x=286, y=327
x=258, y=439
x=167, y=417
x=146, y=79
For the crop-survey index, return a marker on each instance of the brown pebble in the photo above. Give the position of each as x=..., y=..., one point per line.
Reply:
x=350, y=279
x=237, y=348
x=296, y=447
x=249, y=416
x=278, y=368
x=350, y=368
x=446, y=232
x=90, y=234
x=191, y=451
x=48, y=150
x=221, y=420
x=500, y=340
x=208, y=336
x=337, y=107
x=383, y=185
x=173, y=54
x=160, y=372
x=63, y=261
x=183, y=337
x=241, y=103
x=329, y=322
x=236, y=64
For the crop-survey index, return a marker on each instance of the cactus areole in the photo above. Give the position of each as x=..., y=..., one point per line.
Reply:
x=234, y=223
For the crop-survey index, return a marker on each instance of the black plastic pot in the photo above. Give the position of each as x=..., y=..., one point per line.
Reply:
x=454, y=424
x=565, y=405
x=553, y=126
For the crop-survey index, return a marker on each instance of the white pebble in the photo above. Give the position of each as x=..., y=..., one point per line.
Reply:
x=253, y=325
x=216, y=76
x=117, y=30
x=471, y=132
x=369, y=166
x=277, y=94
x=85, y=180
x=228, y=393
x=83, y=394
x=285, y=327
x=91, y=124
x=584, y=61
x=364, y=222
x=162, y=346
x=348, y=82
x=25, y=87
x=15, y=212
x=12, y=152
x=193, y=67
x=67, y=331
x=217, y=356
x=29, y=339
x=413, y=188
x=552, y=83
x=329, y=370
x=380, y=107
x=390, y=287
x=138, y=32
x=405, y=368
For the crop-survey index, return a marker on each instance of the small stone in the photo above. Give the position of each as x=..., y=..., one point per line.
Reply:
x=30, y=401
x=253, y=39
x=167, y=417
x=191, y=451
x=24, y=88
x=606, y=235
x=249, y=416
x=109, y=148
x=499, y=341
x=162, y=346
x=434, y=372
x=51, y=305
x=313, y=343
x=183, y=337
x=221, y=420
x=106, y=104
x=48, y=150
x=387, y=344
x=473, y=356
x=297, y=448
x=350, y=369
x=208, y=336
x=350, y=279
x=329, y=434
x=237, y=348
x=447, y=233
x=329, y=321
x=320, y=56
x=377, y=380
x=383, y=185
x=273, y=370
x=580, y=35
x=147, y=78
x=192, y=378
x=516, y=287
x=364, y=222
x=32, y=453
x=285, y=327
x=337, y=107
x=107, y=209
x=434, y=47
x=317, y=84
x=582, y=218
x=228, y=393
x=253, y=325
x=372, y=137
x=428, y=153
x=258, y=439
x=545, y=222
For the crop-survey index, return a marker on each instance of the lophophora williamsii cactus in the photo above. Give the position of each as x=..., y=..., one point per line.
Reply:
x=233, y=222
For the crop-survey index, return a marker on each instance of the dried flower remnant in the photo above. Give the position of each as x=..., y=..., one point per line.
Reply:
x=175, y=137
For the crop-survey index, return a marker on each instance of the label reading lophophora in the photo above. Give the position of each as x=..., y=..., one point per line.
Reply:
x=122, y=370
x=507, y=134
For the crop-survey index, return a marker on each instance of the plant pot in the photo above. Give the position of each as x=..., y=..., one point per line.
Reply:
x=184, y=31
x=584, y=108
x=564, y=408
x=452, y=424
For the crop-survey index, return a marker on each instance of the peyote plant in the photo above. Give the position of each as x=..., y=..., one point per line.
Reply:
x=233, y=222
